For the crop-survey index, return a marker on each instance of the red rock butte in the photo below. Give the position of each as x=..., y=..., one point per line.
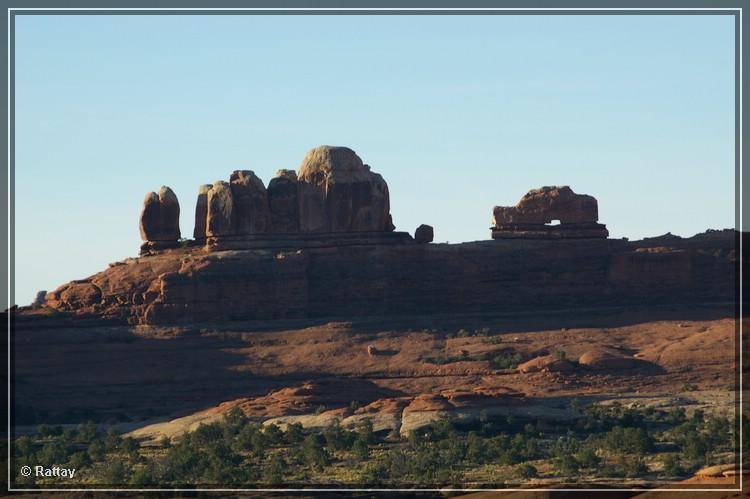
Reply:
x=321, y=242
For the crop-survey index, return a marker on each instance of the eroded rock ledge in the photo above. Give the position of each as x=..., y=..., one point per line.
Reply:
x=189, y=285
x=578, y=215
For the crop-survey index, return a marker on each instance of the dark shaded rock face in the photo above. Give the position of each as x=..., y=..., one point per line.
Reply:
x=251, y=214
x=190, y=285
x=577, y=213
x=220, y=215
x=339, y=193
x=160, y=216
x=283, y=202
x=201, y=212
x=424, y=234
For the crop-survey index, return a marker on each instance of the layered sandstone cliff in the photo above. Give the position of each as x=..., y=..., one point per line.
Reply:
x=190, y=285
x=320, y=242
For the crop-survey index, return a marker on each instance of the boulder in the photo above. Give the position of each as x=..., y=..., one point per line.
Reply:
x=40, y=299
x=424, y=234
x=79, y=294
x=220, y=215
x=150, y=221
x=160, y=216
x=542, y=206
x=602, y=358
x=201, y=212
x=549, y=363
x=339, y=193
x=251, y=213
x=283, y=202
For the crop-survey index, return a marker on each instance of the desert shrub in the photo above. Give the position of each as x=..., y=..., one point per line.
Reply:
x=439, y=359
x=24, y=446
x=115, y=473
x=676, y=416
x=526, y=471
x=207, y=434
x=337, y=438
x=314, y=453
x=96, y=450
x=629, y=440
x=52, y=453
x=507, y=360
x=560, y=354
x=360, y=448
x=635, y=467
x=694, y=449
x=144, y=476
x=234, y=421
x=476, y=449
x=112, y=440
x=87, y=432
x=364, y=431
x=718, y=433
x=566, y=465
x=588, y=458
x=374, y=475
x=129, y=446
x=273, y=434
x=294, y=433
x=672, y=466
x=78, y=460
x=273, y=473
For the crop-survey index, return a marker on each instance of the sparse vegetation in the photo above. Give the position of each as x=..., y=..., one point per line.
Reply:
x=606, y=442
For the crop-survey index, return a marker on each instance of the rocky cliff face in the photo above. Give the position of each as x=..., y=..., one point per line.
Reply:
x=339, y=193
x=320, y=243
x=334, y=193
x=188, y=285
x=578, y=215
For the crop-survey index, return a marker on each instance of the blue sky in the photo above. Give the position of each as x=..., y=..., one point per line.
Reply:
x=458, y=113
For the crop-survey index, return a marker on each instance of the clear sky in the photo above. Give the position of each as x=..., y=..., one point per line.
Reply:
x=458, y=113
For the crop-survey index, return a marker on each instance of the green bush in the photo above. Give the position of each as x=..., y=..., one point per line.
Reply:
x=507, y=360
x=273, y=473
x=526, y=471
x=672, y=466
x=314, y=453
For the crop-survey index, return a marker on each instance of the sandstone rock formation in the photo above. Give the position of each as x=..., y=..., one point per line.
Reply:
x=424, y=234
x=160, y=217
x=201, y=212
x=602, y=358
x=339, y=193
x=283, y=202
x=220, y=215
x=334, y=196
x=577, y=213
x=190, y=285
x=40, y=299
x=548, y=363
x=541, y=206
x=251, y=214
